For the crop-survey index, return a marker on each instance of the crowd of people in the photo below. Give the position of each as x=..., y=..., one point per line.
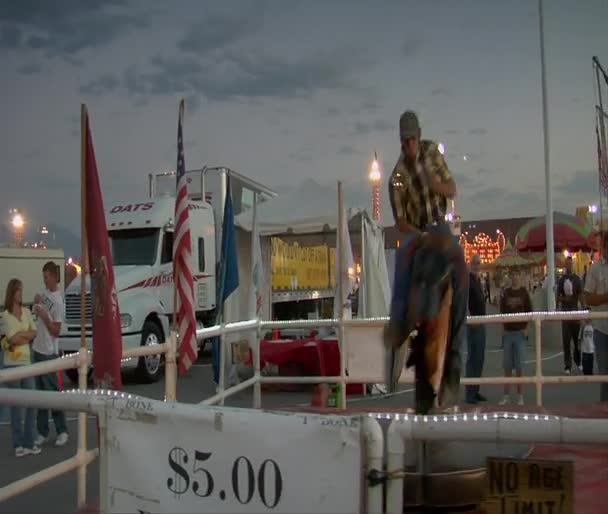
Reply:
x=24, y=341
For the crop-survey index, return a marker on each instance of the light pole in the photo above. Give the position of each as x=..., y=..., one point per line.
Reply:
x=549, y=197
x=375, y=177
x=18, y=223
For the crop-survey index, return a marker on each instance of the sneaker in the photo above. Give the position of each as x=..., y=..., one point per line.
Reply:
x=505, y=400
x=480, y=398
x=34, y=450
x=62, y=439
x=567, y=371
x=520, y=399
x=40, y=440
x=20, y=451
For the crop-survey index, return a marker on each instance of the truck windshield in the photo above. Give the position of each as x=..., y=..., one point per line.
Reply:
x=134, y=247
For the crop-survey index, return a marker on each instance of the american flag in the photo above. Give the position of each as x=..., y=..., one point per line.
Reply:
x=182, y=261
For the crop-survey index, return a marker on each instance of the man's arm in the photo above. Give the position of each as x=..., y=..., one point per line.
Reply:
x=54, y=327
x=442, y=182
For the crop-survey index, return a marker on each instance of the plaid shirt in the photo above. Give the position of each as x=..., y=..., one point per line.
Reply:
x=411, y=198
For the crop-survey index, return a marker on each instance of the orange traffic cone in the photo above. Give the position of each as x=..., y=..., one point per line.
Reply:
x=320, y=395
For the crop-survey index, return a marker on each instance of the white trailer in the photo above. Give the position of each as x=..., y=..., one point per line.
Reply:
x=141, y=241
x=26, y=265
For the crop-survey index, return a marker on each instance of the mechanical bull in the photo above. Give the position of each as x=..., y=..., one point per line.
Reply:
x=425, y=327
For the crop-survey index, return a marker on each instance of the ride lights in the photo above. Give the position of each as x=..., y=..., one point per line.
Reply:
x=465, y=417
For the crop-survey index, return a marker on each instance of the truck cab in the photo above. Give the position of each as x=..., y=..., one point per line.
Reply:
x=141, y=241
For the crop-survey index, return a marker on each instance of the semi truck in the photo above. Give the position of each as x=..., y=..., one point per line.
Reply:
x=141, y=242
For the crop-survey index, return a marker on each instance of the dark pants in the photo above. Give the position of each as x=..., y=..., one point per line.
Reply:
x=49, y=382
x=476, y=350
x=570, y=331
x=460, y=299
x=587, y=363
x=601, y=355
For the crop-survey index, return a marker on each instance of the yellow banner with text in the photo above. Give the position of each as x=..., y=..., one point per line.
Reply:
x=299, y=267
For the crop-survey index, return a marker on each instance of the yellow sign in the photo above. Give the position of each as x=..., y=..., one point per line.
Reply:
x=521, y=486
x=297, y=267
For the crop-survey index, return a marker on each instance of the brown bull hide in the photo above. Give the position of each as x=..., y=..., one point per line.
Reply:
x=437, y=338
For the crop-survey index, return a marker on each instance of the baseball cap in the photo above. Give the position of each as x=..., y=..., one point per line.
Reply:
x=408, y=125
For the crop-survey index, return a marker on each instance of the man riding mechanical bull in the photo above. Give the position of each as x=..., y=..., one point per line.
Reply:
x=430, y=292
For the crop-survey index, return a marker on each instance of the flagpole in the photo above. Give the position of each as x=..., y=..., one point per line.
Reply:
x=171, y=353
x=549, y=194
x=82, y=365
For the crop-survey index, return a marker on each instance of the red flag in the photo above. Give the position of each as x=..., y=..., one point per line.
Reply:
x=107, y=337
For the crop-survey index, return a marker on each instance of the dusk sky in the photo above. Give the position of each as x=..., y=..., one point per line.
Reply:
x=287, y=91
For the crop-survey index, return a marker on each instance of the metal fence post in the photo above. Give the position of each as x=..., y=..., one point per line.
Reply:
x=83, y=371
x=257, y=357
x=539, y=360
x=222, y=377
x=171, y=368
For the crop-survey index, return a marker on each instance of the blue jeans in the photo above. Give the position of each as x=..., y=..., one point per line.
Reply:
x=476, y=350
x=601, y=356
x=460, y=299
x=23, y=433
x=49, y=382
x=514, y=343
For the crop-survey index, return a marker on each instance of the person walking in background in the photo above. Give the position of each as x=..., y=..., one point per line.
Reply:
x=515, y=299
x=596, y=297
x=49, y=309
x=569, y=289
x=587, y=347
x=20, y=330
x=476, y=334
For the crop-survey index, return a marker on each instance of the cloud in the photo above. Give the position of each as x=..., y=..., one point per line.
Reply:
x=348, y=150
x=218, y=30
x=63, y=28
x=580, y=184
x=440, y=91
x=29, y=69
x=362, y=128
x=241, y=76
x=303, y=154
x=499, y=202
x=477, y=131
x=104, y=84
x=410, y=47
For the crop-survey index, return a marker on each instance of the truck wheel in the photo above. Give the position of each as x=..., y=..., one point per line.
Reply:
x=150, y=369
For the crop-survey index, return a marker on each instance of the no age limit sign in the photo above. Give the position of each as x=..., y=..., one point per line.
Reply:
x=228, y=460
x=522, y=486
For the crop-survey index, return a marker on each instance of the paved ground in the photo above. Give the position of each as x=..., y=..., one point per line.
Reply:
x=59, y=495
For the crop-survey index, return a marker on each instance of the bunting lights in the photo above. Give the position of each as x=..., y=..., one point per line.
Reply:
x=484, y=246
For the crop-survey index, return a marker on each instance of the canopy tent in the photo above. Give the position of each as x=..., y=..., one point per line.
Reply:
x=510, y=258
x=569, y=233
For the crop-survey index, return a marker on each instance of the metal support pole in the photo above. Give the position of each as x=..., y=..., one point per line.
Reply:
x=257, y=357
x=223, y=349
x=81, y=451
x=341, y=288
x=171, y=368
x=549, y=196
x=539, y=361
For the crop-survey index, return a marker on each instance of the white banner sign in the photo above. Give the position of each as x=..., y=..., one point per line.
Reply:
x=224, y=460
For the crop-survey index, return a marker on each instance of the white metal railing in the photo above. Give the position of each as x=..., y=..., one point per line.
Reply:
x=82, y=361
